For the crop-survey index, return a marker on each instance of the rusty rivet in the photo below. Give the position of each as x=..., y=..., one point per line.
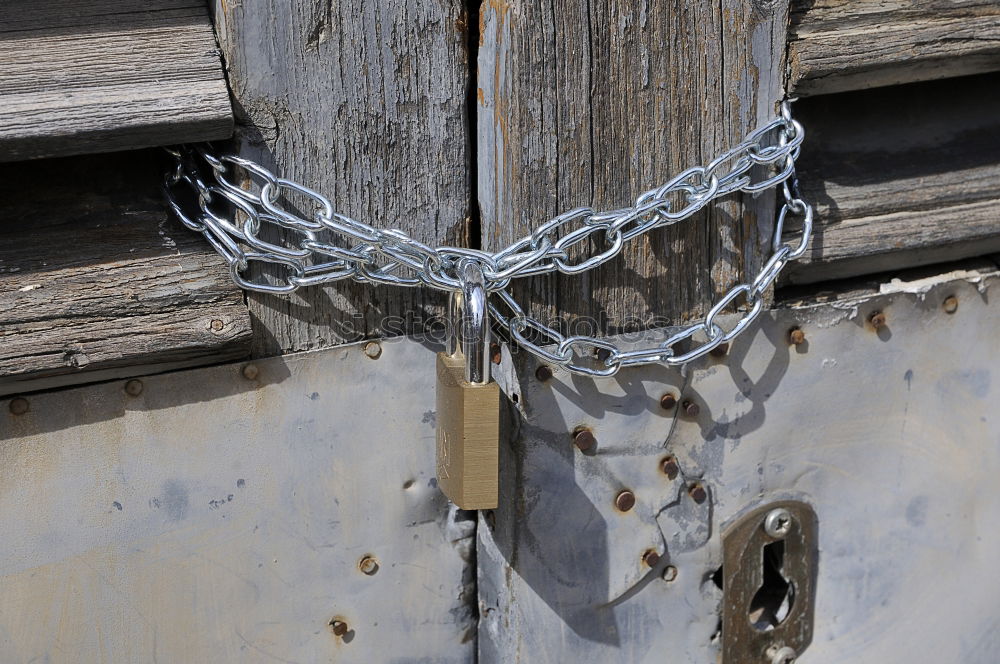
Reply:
x=339, y=627
x=697, y=493
x=250, y=372
x=669, y=573
x=668, y=401
x=373, y=350
x=651, y=558
x=690, y=408
x=19, y=406
x=368, y=565
x=584, y=439
x=495, y=354
x=217, y=325
x=133, y=387
x=543, y=373
x=950, y=304
x=719, y=351
x=625, y=500
x=877, y=319
x=796, y=336
x=670, y=467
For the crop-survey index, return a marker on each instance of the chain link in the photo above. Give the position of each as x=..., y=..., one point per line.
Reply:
x=330, y=247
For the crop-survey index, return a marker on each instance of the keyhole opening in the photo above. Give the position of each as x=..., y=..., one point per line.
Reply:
x=773, y=601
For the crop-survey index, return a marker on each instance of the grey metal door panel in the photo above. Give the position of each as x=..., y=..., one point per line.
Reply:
x=892, y=435
x=214, y=518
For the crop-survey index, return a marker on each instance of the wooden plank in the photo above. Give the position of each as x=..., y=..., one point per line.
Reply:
x=364, y=101
x=901, y=177
x=101, y=75
x=592, y=104
x=838, y=45
x=97, y=280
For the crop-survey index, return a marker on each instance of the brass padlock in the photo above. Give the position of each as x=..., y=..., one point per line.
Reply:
x=468, y=401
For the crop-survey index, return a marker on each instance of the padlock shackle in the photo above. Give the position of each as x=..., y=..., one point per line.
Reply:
x=469, y=324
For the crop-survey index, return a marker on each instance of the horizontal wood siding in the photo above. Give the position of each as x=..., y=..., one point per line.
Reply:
x=98, y=280
x=101, y=75
x=839, y=45
x=901, y=177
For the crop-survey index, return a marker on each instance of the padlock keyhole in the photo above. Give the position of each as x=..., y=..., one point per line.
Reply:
x=773, y=601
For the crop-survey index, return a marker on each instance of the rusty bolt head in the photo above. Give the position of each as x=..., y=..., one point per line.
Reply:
x=217, y=325
x=495, y=354
x=625, y=500
x=543, y=373
x=950, y=304
x=668, y=401
x=584, y=439
x=796, y=337
x=669, y=573
x=368, y=565
x=690, y=408
x=250, y=372
x=719, y=351
x=651, y=558
x=670, y=467
x=877, y=319
x=339, y=627
x=697, y=493
x=133, y=387
x=373, y=350
x=19, y=406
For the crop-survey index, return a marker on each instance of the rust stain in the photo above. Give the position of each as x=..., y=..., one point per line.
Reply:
x=481, y=96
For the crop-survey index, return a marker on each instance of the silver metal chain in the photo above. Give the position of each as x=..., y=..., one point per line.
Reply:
x=323, y=246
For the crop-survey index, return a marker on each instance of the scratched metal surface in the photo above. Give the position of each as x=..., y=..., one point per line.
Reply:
x=893, y=436
x=219, y=519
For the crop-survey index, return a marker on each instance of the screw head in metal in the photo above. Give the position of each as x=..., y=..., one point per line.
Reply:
x=690, y=408
x=373, y=350
x=250, y=372
x=133, y=387
x=669, y=573
x=339, y=627
x=584, y=439
x=950, y=304
x=670, y=467
x=796, y=337
x=877, y=319
x=651, y=557
x=778, y=523
x=543, y=373
x=625, y=500
x=783, y=655
x=18, y=406
x=697, y=493
x=368, y=565
x=668, y=401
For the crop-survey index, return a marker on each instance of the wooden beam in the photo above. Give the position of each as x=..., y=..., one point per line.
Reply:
x=364, y=101
x=900, y=177
x=839, y=45
x=86, y=76
x=98, y=280
x=592, y=103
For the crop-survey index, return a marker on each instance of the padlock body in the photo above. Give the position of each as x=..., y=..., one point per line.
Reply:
x=468, y=437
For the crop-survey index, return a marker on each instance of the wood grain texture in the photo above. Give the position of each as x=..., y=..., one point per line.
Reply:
x=901, y=177
x=365, y=102
x=592, y=103
x=839, y=45
x=97, y=280
x=85, y=76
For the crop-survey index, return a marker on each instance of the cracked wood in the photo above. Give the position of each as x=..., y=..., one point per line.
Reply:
x=83, y=76
x=364, y=101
